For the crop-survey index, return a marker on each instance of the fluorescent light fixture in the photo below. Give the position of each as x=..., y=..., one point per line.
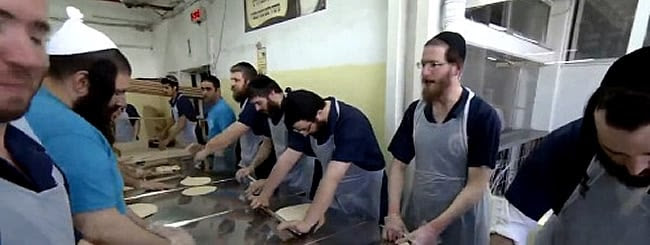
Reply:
x=479, y=3
x=497, y=27
x=569, y=61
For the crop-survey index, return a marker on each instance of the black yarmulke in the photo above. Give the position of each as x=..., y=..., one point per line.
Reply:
x=629, y=71
x=455, y=42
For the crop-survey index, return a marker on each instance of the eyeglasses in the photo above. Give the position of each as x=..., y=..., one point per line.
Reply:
x=429, y=64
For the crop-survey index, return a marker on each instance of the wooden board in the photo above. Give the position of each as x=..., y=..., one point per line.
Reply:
x=154, y=87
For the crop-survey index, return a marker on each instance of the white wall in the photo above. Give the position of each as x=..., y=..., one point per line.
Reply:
x=346, y=32
x=576, y=84
x=135, y=44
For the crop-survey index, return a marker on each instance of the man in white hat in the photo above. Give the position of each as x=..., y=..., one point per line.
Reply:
x=34, y=207
x=71, y=114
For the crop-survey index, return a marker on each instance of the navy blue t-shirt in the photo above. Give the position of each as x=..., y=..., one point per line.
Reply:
x=354, y=138
x=255, y=120
x=552, y=171
x=185, y=107
x=32, y=159
x=483, y=131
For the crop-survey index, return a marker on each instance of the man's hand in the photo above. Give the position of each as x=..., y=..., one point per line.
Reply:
x=301, y=227
x=242, y=174
x=176, y=236
x=162, y=145
x=394, y=228
x=496, y=239
x=424, y=235
x=201, y=155
x=255, y=188
x=259, y=201
x=154, y=186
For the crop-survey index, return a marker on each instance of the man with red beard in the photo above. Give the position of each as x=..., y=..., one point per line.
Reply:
x=71, y=114
x=452, y=135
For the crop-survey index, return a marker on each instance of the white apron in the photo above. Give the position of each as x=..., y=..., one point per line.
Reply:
x=358, y=195
x=124, y=131
x=440, y=175
x=27, y=217
x=249, y=144
x=187, y=135
x=299, y=178
x=610, y=213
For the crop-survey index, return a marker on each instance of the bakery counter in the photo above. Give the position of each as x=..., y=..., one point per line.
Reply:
x=224, y=217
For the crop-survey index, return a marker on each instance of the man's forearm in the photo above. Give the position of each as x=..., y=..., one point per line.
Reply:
x=114, y=228
x=263, y=153
x=466, y=199
x=137, y=220
x=136, y=126
x=326, y=190
x=395, y=186
x=285, y=163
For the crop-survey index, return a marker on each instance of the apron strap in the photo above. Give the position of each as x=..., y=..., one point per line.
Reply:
x=466, y=115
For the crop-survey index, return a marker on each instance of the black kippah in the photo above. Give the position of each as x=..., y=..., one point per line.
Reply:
x=629, y=71
x=455, y=42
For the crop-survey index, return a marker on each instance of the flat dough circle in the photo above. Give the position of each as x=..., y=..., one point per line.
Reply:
x=143, y=210
x=195, y=181
x=198, y=191
x=296, y=212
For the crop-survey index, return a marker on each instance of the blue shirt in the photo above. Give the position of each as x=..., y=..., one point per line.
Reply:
x=82, y=153
x=354, y=138
x=35, y=164
x=483, y=131
x=219, y=117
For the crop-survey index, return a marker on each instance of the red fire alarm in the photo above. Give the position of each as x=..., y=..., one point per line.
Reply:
x=198, y=15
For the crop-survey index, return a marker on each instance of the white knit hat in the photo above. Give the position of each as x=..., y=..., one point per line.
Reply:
x=74, y=37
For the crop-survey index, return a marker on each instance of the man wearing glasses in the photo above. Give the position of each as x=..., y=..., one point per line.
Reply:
x=453, y=137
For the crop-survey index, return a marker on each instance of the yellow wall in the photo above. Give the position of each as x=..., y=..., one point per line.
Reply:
x=140, y=100
x=362, y=86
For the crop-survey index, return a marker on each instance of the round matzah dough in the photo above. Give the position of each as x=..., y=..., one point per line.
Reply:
x=143, y=210
x=195, y=181
x=296, y=212
x=198, y=191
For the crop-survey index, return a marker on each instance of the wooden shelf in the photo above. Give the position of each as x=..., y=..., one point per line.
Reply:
x=154, y=87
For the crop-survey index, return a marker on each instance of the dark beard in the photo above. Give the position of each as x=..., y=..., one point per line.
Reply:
x=274, y=111
x=97, y=114
x=620, y=172
x=94, y=107
x=239, y=97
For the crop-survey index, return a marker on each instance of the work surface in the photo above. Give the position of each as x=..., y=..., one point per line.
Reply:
x=237, y=223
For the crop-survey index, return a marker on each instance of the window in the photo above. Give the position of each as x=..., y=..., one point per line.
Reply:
x=527, y=18
x=602, y=28
x=646, y=43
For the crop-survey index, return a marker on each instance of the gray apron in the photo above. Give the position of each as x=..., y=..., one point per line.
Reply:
x=187, y=135
x=299, y=178
x=609, y=214
x=27, y=217
x=358, y=195
x=124, y=131
x=249, y=143
x=440, y=175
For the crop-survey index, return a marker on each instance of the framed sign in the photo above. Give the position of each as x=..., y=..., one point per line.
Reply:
x=263, y=13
